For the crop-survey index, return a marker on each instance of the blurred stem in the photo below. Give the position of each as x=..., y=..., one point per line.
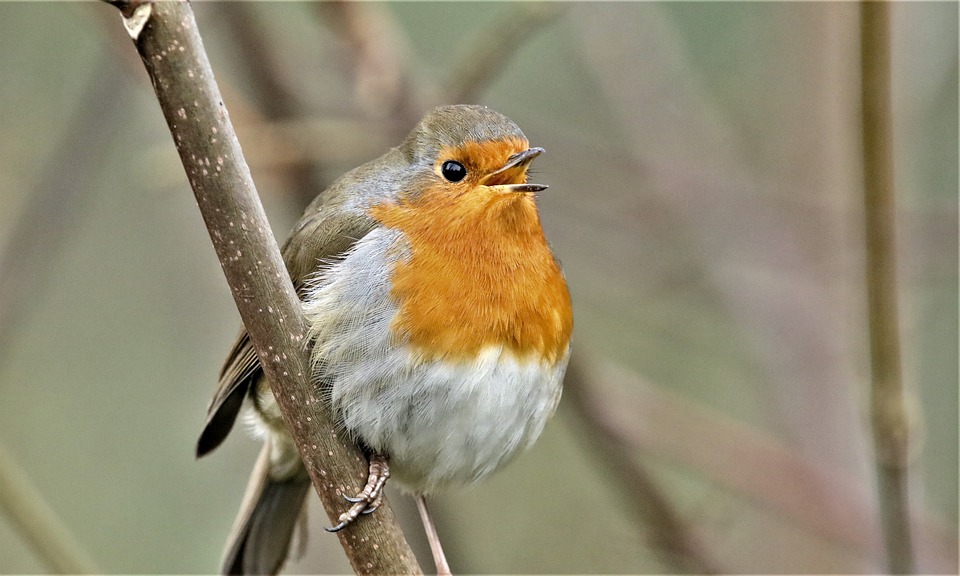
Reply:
x=55, y=204
x=169, y=44
x=27, y=261
x=36, y=521
x=494, y=47
x=380, y=69
x=673, y=540
x=889, y=409
x=277, y=99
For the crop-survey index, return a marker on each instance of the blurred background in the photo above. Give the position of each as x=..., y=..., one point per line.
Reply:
x=704, y=163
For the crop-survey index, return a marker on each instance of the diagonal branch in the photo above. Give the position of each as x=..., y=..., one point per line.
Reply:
x=33, y=518
x=55, y=204
x=279, y=99
x=493, y=47
x=167, y=39
x=678, y=545
x=378, y=61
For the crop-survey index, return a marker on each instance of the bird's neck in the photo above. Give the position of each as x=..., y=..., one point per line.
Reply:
x=479, y=274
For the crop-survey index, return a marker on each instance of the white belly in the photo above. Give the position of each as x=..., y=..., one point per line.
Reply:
x=448, y=425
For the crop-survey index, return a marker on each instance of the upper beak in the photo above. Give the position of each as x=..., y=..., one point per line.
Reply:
x=517, y=164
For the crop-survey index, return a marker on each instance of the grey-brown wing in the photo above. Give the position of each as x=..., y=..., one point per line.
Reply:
x=240, y=370
x=327, y=230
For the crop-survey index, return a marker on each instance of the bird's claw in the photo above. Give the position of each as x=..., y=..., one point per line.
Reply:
x=370, y=498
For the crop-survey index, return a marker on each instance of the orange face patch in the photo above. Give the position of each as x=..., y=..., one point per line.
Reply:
x=480, y=272
x=482, y=158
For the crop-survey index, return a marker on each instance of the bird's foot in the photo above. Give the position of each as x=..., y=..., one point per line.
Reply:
x=370, y=498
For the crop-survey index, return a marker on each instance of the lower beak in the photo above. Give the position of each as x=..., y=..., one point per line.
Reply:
x=521, y=187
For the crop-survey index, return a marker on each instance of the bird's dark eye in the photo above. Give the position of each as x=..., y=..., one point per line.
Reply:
x=453, y=171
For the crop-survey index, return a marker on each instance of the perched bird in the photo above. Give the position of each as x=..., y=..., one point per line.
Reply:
x=440, y=322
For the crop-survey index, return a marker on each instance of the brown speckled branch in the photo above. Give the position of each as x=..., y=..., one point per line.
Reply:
x=169, y=44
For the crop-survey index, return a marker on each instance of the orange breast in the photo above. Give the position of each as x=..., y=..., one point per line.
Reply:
x=480, y=273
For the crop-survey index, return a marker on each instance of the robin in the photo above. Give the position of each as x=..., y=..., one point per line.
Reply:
x=440, y=322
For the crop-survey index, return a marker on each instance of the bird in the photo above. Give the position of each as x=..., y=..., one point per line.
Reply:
x=440, y=323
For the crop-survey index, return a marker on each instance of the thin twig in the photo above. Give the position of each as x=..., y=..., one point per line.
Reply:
x=35, y=520
x=167, y=39
x=436, y=547
x=888, y=401
x=493, y=48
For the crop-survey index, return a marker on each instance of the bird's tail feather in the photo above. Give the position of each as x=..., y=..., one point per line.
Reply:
x=260, y=538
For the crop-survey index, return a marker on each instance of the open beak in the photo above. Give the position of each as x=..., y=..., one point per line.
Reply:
x=515, y=169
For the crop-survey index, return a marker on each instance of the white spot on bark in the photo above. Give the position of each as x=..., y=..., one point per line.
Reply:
x=135, y=23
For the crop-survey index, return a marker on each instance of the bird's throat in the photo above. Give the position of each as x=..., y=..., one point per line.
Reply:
x=479, y=274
